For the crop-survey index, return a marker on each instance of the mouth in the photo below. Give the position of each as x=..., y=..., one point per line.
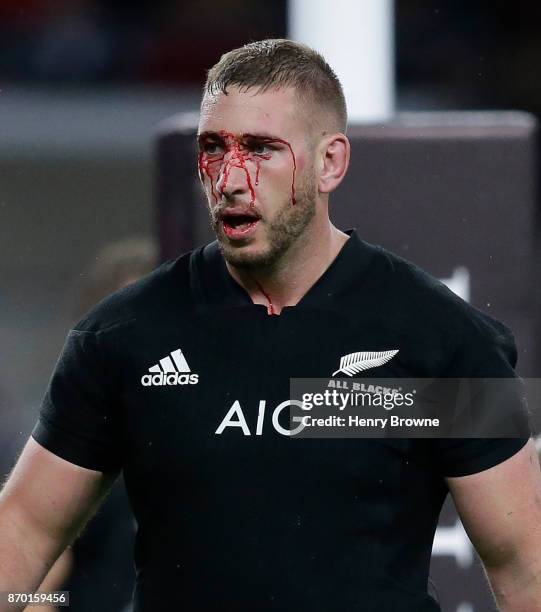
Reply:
x=239, y=225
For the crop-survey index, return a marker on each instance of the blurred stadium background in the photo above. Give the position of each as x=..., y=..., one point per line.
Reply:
x=84, y=85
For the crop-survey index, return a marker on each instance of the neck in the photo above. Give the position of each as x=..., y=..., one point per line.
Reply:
x=286, y=283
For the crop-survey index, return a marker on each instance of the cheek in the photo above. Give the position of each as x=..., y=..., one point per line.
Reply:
x=209, y=171
x=279, y=178
x=278, y=171
x=213, y=172
x=273, y=179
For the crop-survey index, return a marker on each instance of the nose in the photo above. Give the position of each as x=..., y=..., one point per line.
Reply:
x=234, y=178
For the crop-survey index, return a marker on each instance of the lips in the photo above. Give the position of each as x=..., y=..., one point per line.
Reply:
x=239, y=224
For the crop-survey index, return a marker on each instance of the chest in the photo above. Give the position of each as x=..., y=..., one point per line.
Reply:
x=209, y=403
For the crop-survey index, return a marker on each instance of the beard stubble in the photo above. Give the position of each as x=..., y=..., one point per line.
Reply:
x=285, y=229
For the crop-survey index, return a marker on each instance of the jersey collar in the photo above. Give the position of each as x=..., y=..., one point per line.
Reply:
x=215, y=289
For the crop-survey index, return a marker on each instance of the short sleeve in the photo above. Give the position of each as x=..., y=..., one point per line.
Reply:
x=76, y=420
x=487, y=352
x=470, y=456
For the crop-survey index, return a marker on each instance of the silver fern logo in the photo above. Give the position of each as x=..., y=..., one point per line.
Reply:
x=359, y=362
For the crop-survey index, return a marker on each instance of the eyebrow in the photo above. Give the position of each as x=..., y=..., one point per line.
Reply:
x=211, y=135
x=261, y=136
x=208, y=134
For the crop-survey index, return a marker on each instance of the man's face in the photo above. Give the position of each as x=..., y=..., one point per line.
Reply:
x=256, y=166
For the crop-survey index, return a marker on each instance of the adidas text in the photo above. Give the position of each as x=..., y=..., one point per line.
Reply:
x=174, y=378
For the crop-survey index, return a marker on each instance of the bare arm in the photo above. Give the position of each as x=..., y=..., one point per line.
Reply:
x=55, y=580
x=43, y=506
x=501, y=512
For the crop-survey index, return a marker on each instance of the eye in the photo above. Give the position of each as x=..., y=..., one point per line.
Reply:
x=211, y=148
x=260, y=148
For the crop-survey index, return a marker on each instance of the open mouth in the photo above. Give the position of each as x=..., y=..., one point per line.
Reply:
x=239, y=225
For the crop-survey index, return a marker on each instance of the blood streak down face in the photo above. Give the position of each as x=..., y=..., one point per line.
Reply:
x=248, y=149
x=258, y=173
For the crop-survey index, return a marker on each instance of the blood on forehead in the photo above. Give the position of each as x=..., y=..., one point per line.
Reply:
x=240, y=155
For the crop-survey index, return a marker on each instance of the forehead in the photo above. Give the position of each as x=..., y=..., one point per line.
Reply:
x=272, y=111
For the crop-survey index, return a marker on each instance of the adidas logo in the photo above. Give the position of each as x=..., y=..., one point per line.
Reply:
x=171, y=370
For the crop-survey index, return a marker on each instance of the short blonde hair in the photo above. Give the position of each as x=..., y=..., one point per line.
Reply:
x=278, y=62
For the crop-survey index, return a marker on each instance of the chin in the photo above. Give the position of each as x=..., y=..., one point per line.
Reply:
x=247, y=257
x=272, y=240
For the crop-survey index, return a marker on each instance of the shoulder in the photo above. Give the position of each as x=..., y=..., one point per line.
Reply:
x=152, y=298
x=413, y=285
x=423, y=306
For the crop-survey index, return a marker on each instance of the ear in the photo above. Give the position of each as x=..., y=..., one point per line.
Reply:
x=335, y=150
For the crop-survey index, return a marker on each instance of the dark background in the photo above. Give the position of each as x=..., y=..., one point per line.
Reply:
x=450, y=53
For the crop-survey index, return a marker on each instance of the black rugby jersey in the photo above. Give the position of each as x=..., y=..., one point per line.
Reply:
x=183, y=383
